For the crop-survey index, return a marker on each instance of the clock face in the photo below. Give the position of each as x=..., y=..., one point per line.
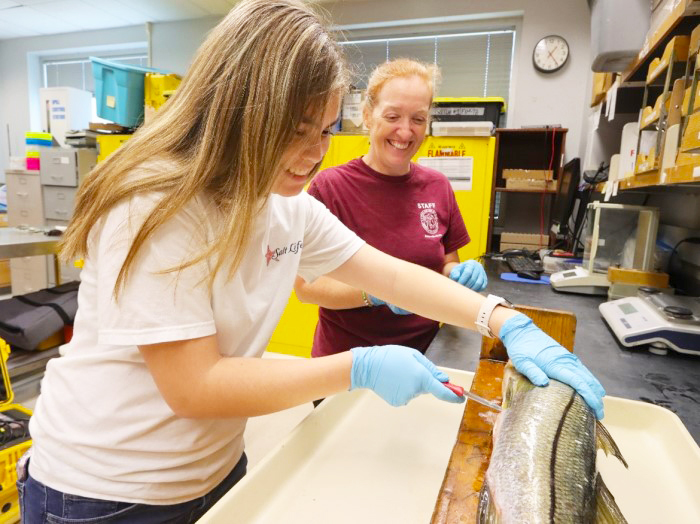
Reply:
x=550, y=54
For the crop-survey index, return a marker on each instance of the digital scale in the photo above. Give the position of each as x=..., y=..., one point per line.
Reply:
x=580, y=280
x=616, y=235
x=660, y=320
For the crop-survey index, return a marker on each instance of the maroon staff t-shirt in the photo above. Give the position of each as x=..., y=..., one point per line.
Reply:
x=413, y=217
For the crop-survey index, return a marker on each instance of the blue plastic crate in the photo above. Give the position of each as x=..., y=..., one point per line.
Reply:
x=119, y=91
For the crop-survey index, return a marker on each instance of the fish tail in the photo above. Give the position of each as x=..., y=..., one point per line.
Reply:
x=607, y=511
x=607, y=444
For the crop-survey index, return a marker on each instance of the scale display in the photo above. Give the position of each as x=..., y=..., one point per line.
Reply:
x=655, y=319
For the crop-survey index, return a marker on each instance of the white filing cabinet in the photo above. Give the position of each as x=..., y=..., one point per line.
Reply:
x=25, y=208
x=62, y=171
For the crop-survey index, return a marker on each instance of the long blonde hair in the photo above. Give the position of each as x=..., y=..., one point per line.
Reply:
x=260, y=71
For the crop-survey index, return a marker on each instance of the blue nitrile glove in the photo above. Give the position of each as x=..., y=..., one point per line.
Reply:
x=470, y=274
x=379, y=302
x=398, y=374
x=538, y=356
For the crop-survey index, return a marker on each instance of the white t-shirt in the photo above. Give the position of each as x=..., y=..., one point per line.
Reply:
x=101, y=428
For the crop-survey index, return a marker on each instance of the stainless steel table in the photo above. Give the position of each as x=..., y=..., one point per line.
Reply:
x=16, y=242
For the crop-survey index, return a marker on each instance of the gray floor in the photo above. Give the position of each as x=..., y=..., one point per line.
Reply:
x=671, y=381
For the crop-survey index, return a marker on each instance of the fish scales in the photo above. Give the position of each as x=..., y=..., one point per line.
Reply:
x=542, y=467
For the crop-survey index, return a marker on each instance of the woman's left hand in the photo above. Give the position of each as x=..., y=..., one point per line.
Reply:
x=539, y=357
x=470, y=274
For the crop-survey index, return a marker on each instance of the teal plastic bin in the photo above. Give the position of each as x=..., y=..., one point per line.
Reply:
x=119, y=91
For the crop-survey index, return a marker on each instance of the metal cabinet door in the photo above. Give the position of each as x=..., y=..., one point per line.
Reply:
x=24, y=200
x=58, y=167
x=59, y=202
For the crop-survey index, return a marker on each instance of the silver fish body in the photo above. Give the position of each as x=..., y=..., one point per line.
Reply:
x=542, y=467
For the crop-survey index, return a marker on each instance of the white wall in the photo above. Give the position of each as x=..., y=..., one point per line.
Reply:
x=19, y=65
x=173, y=46
x=556, y=98
x=175, y=43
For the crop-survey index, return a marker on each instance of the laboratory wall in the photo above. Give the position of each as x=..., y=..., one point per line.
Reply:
x=535, y=98
x=173, y=46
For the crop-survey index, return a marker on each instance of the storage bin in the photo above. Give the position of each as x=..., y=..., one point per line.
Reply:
x=159, y=87
x=468, y=109
x=14, y=443
x=119, y=91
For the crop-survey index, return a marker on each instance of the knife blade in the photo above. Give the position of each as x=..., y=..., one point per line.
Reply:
x=459, y=390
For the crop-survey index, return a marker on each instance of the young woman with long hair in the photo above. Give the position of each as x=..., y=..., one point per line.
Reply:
x=192, y=235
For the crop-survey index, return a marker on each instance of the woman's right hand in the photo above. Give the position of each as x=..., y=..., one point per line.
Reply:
x=398, y=374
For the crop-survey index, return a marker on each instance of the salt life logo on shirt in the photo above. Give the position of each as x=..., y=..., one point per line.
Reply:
x=429, y=218
x=294, y=247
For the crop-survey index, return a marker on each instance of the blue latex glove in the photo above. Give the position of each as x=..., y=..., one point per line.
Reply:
x=379, y=302
x=470, y=274
x=538, y=356
x=398, y=374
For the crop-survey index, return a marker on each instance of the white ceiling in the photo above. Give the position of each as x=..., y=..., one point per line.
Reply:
x=20, y=18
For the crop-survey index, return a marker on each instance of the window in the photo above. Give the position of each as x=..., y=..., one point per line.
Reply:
x=77, y=73
x=474, y=63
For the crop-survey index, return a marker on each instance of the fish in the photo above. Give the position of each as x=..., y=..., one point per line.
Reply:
x=543, y=463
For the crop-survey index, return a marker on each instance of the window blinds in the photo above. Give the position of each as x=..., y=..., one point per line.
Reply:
x=472, y=63
x=77, y=72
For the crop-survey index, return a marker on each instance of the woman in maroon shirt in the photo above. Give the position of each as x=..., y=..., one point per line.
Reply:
x=404, y=209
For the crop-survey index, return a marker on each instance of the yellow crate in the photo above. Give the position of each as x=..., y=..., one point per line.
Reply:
x=108, y=144
x=158, y=87
x=9, y=498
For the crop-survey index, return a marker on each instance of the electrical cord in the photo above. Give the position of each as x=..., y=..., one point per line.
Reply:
x=669, y=268
x=599, y=175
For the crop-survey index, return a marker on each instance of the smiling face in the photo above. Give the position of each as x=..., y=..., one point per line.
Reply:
x=306, y=151
x=397, y=124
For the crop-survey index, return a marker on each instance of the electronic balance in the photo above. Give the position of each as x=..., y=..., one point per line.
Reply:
x=661, y=320
x=616, y=235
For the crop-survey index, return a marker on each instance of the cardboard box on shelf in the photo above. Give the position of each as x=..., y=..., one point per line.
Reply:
x=601, y=84
x=528, y=174
x=525, y=238
x=516, y=183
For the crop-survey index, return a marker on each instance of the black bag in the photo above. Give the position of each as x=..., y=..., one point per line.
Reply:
x=27, y=320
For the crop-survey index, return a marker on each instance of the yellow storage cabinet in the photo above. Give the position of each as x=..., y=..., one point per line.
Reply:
x=108, y=144
x=294, y=333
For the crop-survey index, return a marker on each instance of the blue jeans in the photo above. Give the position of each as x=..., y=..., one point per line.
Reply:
x=41, y=504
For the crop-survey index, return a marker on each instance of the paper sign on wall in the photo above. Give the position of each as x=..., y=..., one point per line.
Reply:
x=458, y=169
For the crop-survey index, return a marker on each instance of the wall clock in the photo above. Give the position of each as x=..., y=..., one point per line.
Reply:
x=550, y=54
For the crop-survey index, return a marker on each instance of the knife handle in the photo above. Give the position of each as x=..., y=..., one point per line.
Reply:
x=457, y=390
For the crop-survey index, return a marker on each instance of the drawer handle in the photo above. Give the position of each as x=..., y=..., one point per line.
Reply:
x=22, y=194
x=56, y=177
x=61, y=212
x=24, y=213
x=23, y=181
x=60, y=196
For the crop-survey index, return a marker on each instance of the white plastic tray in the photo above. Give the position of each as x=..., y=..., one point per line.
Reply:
x=356, y=459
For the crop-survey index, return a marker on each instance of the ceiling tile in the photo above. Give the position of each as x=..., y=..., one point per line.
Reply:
x=34, y=2
x=33, y=19
x=132, y=14
x=14, y=31
x=167, y=10
x=214, y=7
x=82, y=14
